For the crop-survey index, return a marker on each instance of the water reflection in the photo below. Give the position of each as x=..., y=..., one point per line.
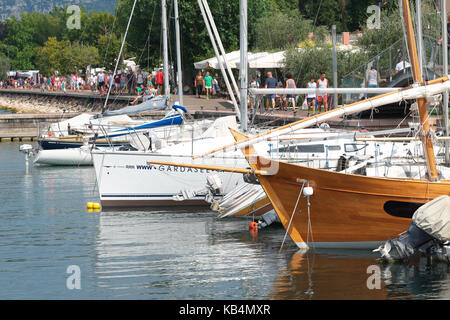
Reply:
x=187, y=255
x=168, y=254
x=337, y=274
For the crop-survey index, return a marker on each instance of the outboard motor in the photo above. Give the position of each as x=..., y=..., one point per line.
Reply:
x=268, y=218
x=429, y=233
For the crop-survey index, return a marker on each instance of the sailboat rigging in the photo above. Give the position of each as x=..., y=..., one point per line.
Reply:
x=342, y=210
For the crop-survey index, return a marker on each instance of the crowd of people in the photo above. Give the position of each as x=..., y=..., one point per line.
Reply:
x=313, y=101
x=145, y=85
x=207, y=84
x=210, y=86
x=123, y=82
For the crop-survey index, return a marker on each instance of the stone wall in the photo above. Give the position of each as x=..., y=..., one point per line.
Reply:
x=39, y=103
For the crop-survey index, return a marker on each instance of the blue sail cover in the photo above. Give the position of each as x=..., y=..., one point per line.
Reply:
x=174, y=119
x=156, y=103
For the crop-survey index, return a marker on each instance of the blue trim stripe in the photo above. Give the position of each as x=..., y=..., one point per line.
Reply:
x=146, y=195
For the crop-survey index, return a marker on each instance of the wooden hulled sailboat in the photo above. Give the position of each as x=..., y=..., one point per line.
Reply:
x=346, y=210
x=349, y=210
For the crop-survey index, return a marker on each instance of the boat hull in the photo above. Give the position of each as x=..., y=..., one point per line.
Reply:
x=129, y=179
x=50, y=144
x=346, y=211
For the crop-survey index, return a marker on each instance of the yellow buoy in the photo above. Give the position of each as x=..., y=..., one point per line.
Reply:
x=90, y=205
x=96, y=205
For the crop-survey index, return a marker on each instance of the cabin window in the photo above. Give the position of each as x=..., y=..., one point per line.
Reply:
x=334, y=148
x=353, y=147
x=312, y=148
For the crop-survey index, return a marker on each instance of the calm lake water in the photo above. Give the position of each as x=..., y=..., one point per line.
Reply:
x=45, y=228
x=4, y=110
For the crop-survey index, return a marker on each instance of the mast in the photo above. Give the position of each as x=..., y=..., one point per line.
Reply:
x=165, y=50
x=445, y=63
x=219, y=59
x=118, y=58
x=243, y=70
x=423, y=113
x=219, y=42
x=335, y=77
x=177, y=31
x=419, y=34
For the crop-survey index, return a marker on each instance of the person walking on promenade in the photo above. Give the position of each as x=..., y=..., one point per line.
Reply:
x=373, y=78
x=208, y=85
x=160, y=81
x=216, y=89
x=140, y=78
x=322, y=98
x=271, y=83
x=150, y=79
x=290, y=84
x=198, y=83
x=130, y=81
x=252, y=98
x=311, y=97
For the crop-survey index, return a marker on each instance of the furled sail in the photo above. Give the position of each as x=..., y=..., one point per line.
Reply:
x=156, y=103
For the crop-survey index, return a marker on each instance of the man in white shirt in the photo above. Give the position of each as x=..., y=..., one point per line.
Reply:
x=402, y=65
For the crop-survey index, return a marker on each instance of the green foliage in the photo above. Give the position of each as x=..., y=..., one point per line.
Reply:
x=109, y=48
x=303, y=64
x=24, y=38
x=64, y=57
x=376, y=40
x=347, y=15
x=4, y=68
x=280, y=30
x=195, y=42
x=43, y=41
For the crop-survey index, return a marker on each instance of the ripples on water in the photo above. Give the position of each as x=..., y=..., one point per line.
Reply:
x=44, y=228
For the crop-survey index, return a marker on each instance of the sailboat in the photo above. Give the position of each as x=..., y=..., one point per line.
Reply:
x=113, y=128
x=340, y=210
x=327, y=209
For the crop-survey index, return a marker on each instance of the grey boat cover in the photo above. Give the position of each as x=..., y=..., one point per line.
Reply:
x=156, y=103
x=434, y=218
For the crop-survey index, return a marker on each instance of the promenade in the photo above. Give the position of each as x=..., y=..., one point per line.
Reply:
x=23, y=125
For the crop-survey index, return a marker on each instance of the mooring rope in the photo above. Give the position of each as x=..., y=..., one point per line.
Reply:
x=292, y=216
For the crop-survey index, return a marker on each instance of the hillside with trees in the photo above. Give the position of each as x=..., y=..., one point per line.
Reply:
x=42, y=41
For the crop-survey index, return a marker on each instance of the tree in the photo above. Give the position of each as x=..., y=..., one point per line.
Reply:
x=18, y=45
x=272, y=35
x=65, y=57
x=109, y=48
x=303, y=64
x=347, y=15
x=4, y=68
x=195, y=42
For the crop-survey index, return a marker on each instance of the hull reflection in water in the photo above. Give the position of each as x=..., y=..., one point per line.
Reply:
x=184, y=255
x=345, y=274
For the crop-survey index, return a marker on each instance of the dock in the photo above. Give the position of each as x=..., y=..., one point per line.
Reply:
x=24, y=126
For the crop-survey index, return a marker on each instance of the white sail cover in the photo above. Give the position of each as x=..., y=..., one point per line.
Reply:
x=434, y=218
